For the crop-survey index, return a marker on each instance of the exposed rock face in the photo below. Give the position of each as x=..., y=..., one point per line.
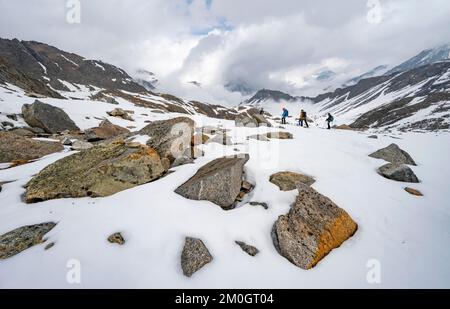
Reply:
x=261, y=120
x=250, y=250
x=287, y=181
x=15, y=147
x=100, y=171
x=116, y=238
x=393, y=154
x=105, y=130
x=47, y=117
x=23, y=238
x=219, y=182
x=398, y=172
x=313, y=227
x=170, y=138
x=413, y=191
x=195, y=255
x=120, y=113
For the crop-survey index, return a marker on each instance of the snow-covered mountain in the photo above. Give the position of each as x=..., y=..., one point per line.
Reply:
x=428, y=56
x=265, y=95
x=378, y=71
x=146, y=79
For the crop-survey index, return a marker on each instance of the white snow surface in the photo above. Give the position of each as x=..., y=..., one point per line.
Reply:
x=408, y=235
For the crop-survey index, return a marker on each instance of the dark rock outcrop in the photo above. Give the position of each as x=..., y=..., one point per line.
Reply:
x=393, y=154
x=47, y=117
x=313, y=227
x=398, y=172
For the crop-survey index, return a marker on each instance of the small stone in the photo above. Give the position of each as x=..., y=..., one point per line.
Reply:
x=247, y=186
x=194, y=256
x=373, y=136
x=116, y=238
x=413, y=191
x=264, y=205
x=250, y=250
x=49, y=246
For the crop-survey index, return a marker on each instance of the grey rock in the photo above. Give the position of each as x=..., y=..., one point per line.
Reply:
x=263, y=205
x=12, y=117
x=47, y=117
x=194, y=256
x=7, y=124
x=120, y=113
x=398, y=172
x=287, y=181
x=23, y=238
x=245, y=121
x=170, y=138
x=22, y=132
x=66, y=141
x=393, y=154
x=182, y=161
x=280, y=135
x=106, y=130
x=313, y=227
x=250, y=250
x=218, y=182
x=81, y=145
x=261, y=120
x=373, y=136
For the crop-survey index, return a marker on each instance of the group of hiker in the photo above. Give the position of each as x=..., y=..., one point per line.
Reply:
x=303, y=118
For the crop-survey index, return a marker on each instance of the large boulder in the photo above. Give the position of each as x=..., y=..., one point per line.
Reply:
x=313, y=227
x=219, y=182
x=23, y=238
x=99, y=171
x=393, y=154
x=245, y=121
x=15, y=147
x=105, y=130
x=170, y=138
x=120, y=113
x=398, y=172
x=194, y=256
x=47, y=117
x=287, y=181
x=261, y=120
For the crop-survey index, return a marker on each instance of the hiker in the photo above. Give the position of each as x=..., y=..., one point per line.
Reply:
x=261, y=111
x=329, y=119
x=284, y=115
x=303, y=118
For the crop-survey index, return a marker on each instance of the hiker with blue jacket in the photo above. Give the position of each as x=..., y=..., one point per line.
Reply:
x=284, y=115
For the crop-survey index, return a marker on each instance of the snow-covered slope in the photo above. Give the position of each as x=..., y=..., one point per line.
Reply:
x=393, y=225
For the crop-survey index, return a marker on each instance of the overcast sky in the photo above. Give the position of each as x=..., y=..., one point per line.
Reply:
x=279, y=44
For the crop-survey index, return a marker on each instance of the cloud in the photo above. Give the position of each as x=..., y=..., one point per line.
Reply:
x=263, y=43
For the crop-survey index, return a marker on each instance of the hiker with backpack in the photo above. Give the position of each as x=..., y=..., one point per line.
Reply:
x=329, y=120
x=303, y=118
x=284, y=115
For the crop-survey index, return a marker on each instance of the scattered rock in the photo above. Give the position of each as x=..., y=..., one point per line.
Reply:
x=16, y=163
x=261, y=120
x=15, y=147
x=66, y=141
x=398, y=172
x=49, y=246
x=195, y=255
x=313, y=227
x=47, y=117
x=373, y=136
x=287, y=181
x=120, y=113
x=23, y=238
x=280, y=135
x=116, y=238
x=12, y=117
x=105, y=130
x=81, y=145
x=219, y=182
x=413, y=191
x=344, y=127
x=250, y=250
x=7, y=124
x=264, y=205
x=393, y=154
x=182, y=161
x=170, y=138
x=99, y=171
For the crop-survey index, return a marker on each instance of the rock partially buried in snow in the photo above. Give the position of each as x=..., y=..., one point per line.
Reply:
x=280, y=135
x=313, y=227
x=23, y=238
x=105, y=130
x=47, y=117
x=261, y=120
x=195, y=255
x=120, y=113
x=100, y=171
x=15, y=147
x=219, y=182
x=393, y=154
x=250, y=250
x=116, y=238
x=413, y=191
x=170, y=138
x=398, y=172
x=287, y=181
